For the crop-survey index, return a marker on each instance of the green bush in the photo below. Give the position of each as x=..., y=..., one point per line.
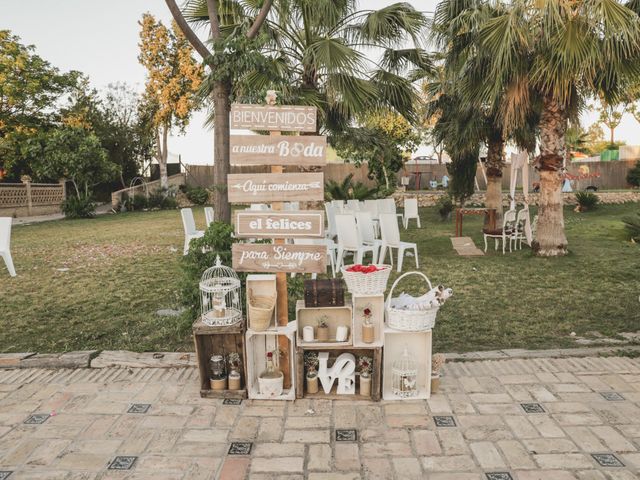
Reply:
x=139, y=202
x=348, y=190
x=445, y=207
x=163, y=199
x=197, y=195
x=632, y=225
x=79, y=207
x=587, y=201
x=633, y=176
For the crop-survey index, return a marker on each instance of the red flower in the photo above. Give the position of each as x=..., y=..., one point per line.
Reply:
x=367, y=311
x=270, y=355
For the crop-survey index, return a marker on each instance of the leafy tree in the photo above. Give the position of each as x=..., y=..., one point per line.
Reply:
x=610, y=114
x=173, y=78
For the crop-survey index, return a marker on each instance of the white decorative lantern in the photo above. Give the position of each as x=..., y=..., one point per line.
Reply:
x=405, y=376
x=220, y=296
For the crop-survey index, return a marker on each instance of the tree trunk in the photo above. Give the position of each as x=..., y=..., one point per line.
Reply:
x=495, y=164
x=550, y=238
x=162, y=156
x=222, y=134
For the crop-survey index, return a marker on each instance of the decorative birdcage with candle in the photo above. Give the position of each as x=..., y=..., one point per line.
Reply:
x=220, y=296
x=404, y=376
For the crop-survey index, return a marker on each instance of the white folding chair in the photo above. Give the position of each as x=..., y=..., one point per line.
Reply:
x=391, y=240
x=367, y=233
x=504, y=233
x=5, y=243
x=349, y=240
x=189, y=225
x=410, y=211
x=353, y=205
x=208, y=215
x=331, y=231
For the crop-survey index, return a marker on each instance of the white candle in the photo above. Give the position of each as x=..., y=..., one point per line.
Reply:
x=307, y=334
x=342, y=333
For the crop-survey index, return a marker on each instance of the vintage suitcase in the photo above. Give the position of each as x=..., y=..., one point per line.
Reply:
x=324, y=293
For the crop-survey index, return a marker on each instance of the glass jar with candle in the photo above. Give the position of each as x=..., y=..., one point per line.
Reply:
x=218, y=373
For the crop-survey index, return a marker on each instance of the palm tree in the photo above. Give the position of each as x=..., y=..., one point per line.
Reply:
x=564, y=53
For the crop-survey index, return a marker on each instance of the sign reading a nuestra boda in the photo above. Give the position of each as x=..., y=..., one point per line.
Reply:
x=280, y=150
x=272, y=258
x=255, y=224
x=274, y=187
x=273, y=117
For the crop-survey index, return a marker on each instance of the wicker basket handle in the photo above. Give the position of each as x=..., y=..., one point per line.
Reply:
x=390, y=295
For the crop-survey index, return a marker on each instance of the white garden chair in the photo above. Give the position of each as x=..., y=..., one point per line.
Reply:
x=5, y=242
x=259, y=207
x=371, y=206
x=391, y=240
x=331, y=231
x=208, y=215
x=189, y=225
x=410, y=211
x=353, y=205
x=504, y=233
x=331, y=251
x=349, y=240
x=338, y=205
x=522, y=218
x=367, y=233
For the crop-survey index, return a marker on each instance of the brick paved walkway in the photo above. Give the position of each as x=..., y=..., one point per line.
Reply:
x=476, y=428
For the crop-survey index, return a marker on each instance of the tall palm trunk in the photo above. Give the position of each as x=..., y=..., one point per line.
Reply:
x=222, y=133
x=495, y=164
x=550, y=238
x=163, y=155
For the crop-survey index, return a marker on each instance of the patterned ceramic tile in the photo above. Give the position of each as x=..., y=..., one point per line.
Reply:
x=240, y=448
x=346, y=435
x=444, y=421
x=607, y=460
x=139, y=408
x=499, y=476
x=532, y=408
x=612, y=396
x=4, y=474
x=37, y=418
x=232, y=401
x=122, y=463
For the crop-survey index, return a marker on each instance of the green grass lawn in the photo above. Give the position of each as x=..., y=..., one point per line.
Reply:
x=122, y=269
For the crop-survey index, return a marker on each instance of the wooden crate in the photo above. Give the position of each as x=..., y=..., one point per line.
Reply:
x=261, y=285
x=258, y=344
x=338, y=316
x=334, y=351
x=377, y=307
x=419, y=346
x=221, y=341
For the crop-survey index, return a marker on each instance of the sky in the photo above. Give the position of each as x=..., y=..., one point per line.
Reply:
x=100, y=39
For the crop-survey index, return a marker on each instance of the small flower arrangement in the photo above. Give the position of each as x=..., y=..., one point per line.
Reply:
x=323, y=322
x=437, y=361
x=234, y=362
x=311, y=363
x=365, y=366
x=367, y=314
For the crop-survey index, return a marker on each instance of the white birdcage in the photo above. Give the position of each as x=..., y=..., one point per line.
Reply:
x=405, y=376
x=220, y=296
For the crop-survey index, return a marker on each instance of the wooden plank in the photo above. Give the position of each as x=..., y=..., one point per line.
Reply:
x=201, y=328
x=298, y=150
x=286, y=118
x=275, y=187
x=256, y=224
x=274, y=258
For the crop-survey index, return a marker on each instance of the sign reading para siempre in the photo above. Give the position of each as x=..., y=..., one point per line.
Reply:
x=256, y=224
x=274, y=187
x=272, y=117
x=281, y=150
x=271, y=258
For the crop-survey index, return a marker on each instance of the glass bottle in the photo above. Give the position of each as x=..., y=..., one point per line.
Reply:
x=218, y=373
x=271, y=371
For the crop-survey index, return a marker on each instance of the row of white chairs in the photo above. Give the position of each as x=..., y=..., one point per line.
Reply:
x=513, y=225
x=5, y=243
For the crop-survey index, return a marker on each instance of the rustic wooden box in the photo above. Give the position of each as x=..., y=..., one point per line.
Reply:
x=419, y=346
x=337, y=316
x=334, y=351
x=376, y=302
x=258, y=344
x=222, y=341
x=261, y=285
x=324, y=293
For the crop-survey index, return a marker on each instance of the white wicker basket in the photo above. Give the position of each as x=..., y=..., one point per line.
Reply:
x=410, y=320
x=367, y=283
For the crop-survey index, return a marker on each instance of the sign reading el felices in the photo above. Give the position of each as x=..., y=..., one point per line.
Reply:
x=273, y=117
x=274, y=187
x=272, y=258
x=255, y=224
x=280, y=150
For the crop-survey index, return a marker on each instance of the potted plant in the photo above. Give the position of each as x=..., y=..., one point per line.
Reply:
x=365, y=367
x=437, y=361
x=311, y=366
x=322, y=334
x=368, y=330
x=235, y=379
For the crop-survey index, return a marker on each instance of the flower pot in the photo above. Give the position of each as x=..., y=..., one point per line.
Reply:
x=368, y=333
x=235, y=381
x=365, y=386
x=271, y=387
x=312, y=384
x=323, y=334
x=218, y=383
x=435, y=382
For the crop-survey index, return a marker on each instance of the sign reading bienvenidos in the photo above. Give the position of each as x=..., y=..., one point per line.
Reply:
x=257, y=224
x=281, y=150
x=273, y=258
x=274, y=118
x=274, y=187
